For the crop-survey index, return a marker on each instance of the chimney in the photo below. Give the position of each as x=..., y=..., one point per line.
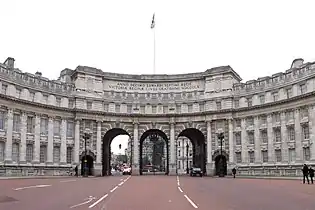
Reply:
x=9, y=62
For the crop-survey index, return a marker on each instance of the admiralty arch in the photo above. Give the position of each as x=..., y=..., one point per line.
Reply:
x=267, y=125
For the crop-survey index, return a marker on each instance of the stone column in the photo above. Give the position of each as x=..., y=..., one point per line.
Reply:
x=8, y=143
x=23, y=138
x=63, y=147
x=99, y=143
x=231, y=142
x=244, y=141
x=50, y=145
x=210, y=166
x=270, y=139
x=298, y=139
x=257, y=140
x=77, y=142
x=135, y=149
x=284, y=139
x=311, y=115
x=172, y=170
x=36, y=153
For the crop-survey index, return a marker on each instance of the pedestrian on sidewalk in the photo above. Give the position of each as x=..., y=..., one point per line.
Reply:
x=311, y=173
x=76, y=171
x=305, y=174
x=234, y=172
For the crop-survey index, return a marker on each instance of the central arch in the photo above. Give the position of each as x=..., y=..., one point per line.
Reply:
x=106, y=148
x=161, y=143
x=197, y=140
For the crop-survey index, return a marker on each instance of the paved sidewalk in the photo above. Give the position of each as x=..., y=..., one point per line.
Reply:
x=267, y=177
x=34, y=177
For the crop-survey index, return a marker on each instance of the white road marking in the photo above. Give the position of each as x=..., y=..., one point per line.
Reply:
x=89, y=199
x=99, y=200
x=191, y=202
x=29, y=187
x=180, y=189
x=121, y=183
x=121, y=179
x=73, y=180
x=114, y=189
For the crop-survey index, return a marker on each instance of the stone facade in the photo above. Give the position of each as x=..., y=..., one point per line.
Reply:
x=268, y=123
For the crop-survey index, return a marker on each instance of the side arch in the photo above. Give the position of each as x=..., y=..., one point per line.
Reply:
x=106, y=150
x=198, y=140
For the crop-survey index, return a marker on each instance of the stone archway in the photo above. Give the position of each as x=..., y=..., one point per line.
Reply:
x=198, y=141
x=162, y=156
x=87, y=163
x=106, y=150
x=220, y=162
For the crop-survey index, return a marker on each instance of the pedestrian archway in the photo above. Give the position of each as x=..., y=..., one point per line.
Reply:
x=154, y=153
x=198, y=149
x=87, y=164
x=117, y=136
x=220, y=162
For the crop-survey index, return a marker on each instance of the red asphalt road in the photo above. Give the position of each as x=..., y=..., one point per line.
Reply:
x=156, y=193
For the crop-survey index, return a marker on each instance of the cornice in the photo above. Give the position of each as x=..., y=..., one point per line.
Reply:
x=223, y=111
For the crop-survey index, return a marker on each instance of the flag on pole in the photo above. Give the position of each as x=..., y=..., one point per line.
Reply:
x=153, y=22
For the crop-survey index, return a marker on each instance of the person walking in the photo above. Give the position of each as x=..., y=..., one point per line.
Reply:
x=311, y=173
x=234, y=172
x=305, y=174
x=76, y=171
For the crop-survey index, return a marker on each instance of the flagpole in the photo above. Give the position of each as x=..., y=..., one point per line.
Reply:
x=154, y=51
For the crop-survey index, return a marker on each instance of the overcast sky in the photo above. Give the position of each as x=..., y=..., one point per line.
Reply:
x=256, y=38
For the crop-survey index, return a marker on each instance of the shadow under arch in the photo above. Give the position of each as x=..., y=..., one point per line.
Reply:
x=106, y=150
x=145, y=135
x=198, y=141
x=220, y=161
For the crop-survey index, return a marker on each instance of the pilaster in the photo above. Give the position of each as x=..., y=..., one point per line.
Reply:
x=77, y=142
x=284, y=139
x=270, y=139
x=63, y=146
x=99, y=143
x=8, y=144
x=257, y=140
x=231, y=142
x=135, y=151
x=50, y=144
x=37, y=140
x=209, y=143
x=23, y=138
x=311, y=112
x=298, y=140
x=172, y=165
x=244, y=141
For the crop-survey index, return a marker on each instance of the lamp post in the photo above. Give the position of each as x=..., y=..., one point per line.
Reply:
x=86, y=136
x=220, y=136
x=187, y=149
x=154, y=138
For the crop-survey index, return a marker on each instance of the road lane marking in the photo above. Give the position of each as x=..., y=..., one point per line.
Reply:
x=180, y=189
x=191, y=202
x=89, y=199
x=99, y=200
x=121, y=183
x=114, y=189
x=29, y=187
x=73, y=180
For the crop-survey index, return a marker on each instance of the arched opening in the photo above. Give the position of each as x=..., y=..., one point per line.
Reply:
x=87, y=164
x=154, y=153
x=116, y=151
x=220, y=163
x=198, y=149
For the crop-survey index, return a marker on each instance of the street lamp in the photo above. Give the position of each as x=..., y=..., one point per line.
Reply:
x=86, y=136
x=220, y=136
x=187, y=149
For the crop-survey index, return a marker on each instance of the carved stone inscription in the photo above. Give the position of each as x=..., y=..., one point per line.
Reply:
x=154, y=87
